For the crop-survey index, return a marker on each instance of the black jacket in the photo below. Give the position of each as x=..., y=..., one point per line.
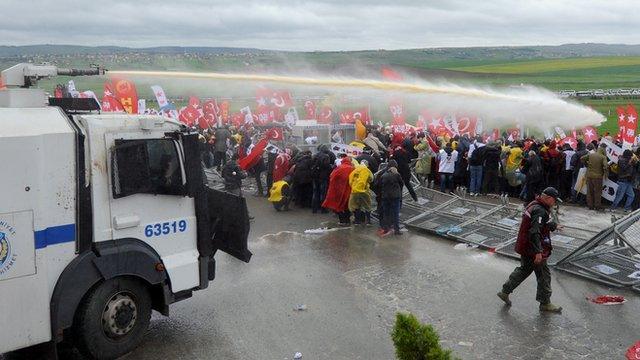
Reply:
x=533, y=169
x=491, y=157
x=477, y=157
x=303, y=173
x=402, y=158
x=322, y=166
x=391, y=185
x=625, y=169
x=232, y=175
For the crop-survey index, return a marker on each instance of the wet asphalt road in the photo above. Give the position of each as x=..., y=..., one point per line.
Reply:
x=353, y=283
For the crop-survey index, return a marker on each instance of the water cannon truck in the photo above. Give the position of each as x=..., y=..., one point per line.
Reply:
x=103, y=218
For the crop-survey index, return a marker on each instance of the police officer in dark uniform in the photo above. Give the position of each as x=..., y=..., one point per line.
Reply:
x=534, y=246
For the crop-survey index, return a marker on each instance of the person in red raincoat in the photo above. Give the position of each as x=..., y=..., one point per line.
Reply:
x=339, y=191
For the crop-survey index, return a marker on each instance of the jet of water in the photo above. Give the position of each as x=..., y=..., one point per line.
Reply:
x=529, y=106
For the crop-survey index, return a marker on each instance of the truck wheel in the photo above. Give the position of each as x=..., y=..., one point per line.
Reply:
x=113, y=319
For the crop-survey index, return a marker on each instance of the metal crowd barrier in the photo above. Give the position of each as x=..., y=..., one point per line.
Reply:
x=612, y=256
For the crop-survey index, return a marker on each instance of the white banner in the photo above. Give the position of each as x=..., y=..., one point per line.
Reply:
x=613, y=151
x=345, y=149
x=160, y=96
x=609, y=187
x=248, y=117
x=71, y=88
x=291, y=117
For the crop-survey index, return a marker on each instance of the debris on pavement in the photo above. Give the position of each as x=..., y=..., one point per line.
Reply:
x=464, y=246
x=633, y=353
x=608, y=299
x=322, y=230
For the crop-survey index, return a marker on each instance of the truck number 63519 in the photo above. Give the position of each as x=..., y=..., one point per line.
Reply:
x=165, y=228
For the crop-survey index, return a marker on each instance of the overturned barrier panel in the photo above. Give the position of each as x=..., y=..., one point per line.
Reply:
x=611, y=256
x=494, y=227
x=446, y=217
x=564, y=241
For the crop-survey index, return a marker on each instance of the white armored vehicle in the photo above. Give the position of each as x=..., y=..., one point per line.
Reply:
x=103, y=218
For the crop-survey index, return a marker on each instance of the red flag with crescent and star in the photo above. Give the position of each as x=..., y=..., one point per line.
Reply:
x=325, y=116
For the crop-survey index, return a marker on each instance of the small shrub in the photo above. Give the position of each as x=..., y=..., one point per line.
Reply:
x=416, y=341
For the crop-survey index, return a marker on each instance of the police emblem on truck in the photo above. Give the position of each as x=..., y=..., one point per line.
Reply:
x=7, y=257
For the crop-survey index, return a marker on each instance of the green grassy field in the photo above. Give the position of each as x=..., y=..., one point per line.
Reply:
x=552, y=65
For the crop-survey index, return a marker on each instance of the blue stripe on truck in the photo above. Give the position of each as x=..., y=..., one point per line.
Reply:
x=55, y=235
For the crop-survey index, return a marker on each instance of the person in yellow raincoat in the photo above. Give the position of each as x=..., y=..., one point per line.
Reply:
x=279, y=194
x=360, y=199
x=512, y=164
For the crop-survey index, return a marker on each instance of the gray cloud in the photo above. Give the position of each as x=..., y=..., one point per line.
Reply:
x=318, y=25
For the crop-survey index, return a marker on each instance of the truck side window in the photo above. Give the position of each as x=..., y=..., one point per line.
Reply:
x=147, y=167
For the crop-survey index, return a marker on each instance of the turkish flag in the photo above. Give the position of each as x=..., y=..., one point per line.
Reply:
x=203, y=122
x=278, y=98
x=435, y=125
x=396, y=107
x=350, y=116
x=250, y=160
x=467, y=125
x=109, y=101
x=194, y=101
x=210, y=111
x=237, y=119
x=326, y=115
x=125, y=91
x=210, y=107
x=310, y=109
x=281, y=98
x=590, y=134
x=275, y=134
x=263, y=96
x=346, y=117
x=189, y=115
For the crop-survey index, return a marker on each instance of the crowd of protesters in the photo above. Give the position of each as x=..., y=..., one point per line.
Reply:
x=325, y=181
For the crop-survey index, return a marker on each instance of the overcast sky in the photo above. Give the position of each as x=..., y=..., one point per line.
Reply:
x=320, y=24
